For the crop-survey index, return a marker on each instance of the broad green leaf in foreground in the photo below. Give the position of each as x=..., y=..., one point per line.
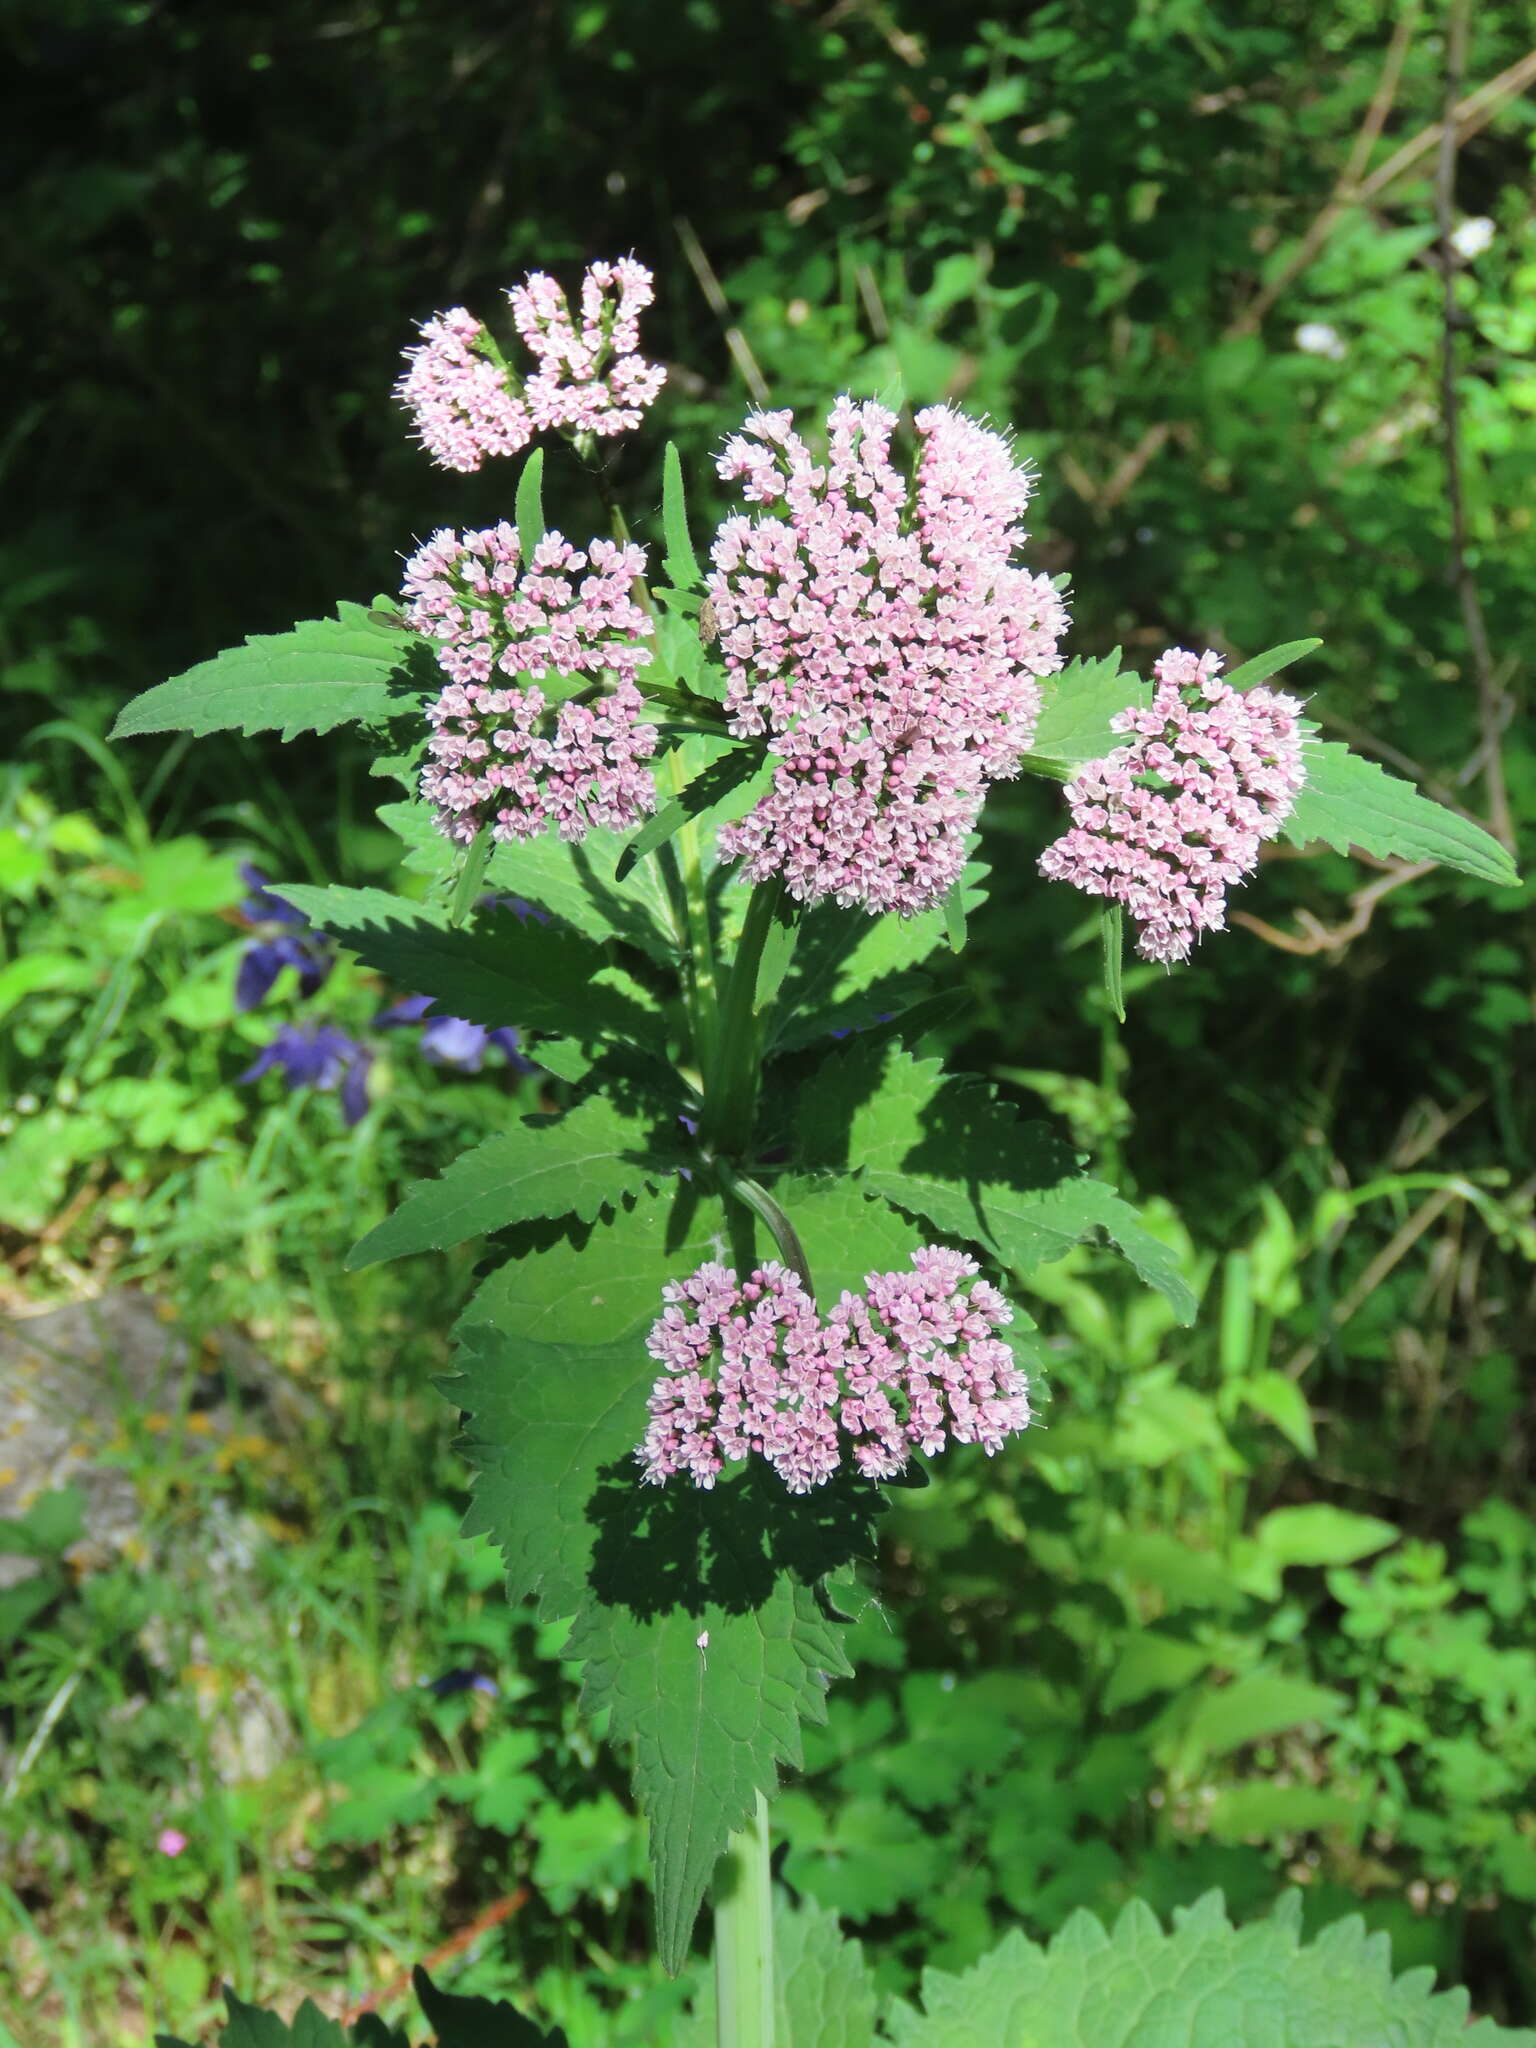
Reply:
x=320, y=674
x=1348, y=801
x=950, y=1150
x=824, y=1994
x=1074, y=725
x=1204, y=1984
x=499, y=971
x=698, y=1615
x=249, y=2027
x=545, y=1167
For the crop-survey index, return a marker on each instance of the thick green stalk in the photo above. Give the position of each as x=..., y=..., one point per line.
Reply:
x=731, y=1077
x=744, y=1938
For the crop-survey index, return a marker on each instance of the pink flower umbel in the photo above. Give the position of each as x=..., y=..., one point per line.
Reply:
x=744, y=1372
x=570, y=754
x=469, y=403
x=460, y=396
x=170, y=1841
x=882, y=638
x=1166, y=824
x=751, y=1369
x=921, y=1362
x=591, y=377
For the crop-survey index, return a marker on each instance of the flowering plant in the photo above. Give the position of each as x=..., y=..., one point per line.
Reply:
x=770, y=1255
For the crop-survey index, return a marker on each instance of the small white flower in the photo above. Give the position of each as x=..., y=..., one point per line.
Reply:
x=1473, y=236
x=1317, y=338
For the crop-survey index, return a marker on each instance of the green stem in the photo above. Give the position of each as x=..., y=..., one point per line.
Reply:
x=744, y=1938
x=731, y=1076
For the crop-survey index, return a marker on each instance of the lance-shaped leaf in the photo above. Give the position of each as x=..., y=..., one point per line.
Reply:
x=950, y=1150
x=680, y=563
x=318, y=675
x=1074, y=724
x=548, y=1166
x=1202, y=1981
x=696, y=1614
x=1348, y=801
x=724, y=790
x=499, y=971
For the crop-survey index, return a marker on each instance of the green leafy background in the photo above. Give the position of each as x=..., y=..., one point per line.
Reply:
x=1115, y=1662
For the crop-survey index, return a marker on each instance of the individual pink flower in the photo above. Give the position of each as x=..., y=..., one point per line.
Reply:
x=170, y=1841
x=459, y=394
x=750, y=1369
x=570, y=754
x=468, y=403
x=1166, y=824
x=883, y=639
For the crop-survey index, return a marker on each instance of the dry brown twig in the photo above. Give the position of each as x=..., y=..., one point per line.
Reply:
x=1314, y=936
x=1491, y=716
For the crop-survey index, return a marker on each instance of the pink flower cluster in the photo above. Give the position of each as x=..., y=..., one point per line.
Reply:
x=521, y=756
x=881, y=636
x=592, y=378
x=1166, y=824
x=750, y=1369
x=456, y=389
x=466, y=402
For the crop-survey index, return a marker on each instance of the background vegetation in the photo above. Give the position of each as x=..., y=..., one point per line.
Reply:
x=1257, y=1606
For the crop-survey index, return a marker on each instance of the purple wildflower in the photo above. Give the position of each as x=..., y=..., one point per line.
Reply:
x=318, y=1056
x=284, y=940
x=454, y=1041
x=462, y=1680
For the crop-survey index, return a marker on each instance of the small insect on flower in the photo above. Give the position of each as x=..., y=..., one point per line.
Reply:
x=709, y=625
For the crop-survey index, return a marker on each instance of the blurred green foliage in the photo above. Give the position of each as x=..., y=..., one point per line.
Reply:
x=1254, y=1606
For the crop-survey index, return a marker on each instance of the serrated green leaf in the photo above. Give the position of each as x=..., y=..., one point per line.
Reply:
x=1348, y=801
x=529, y=507
x=1205, y=1984
x=573, y=1298
x=249, y=2027
x=646, y=1571
x=681, y=564
x=318, y=675
x=1075, y=722
x=1269, y=663
x=726, y=789
x=568, y=1166
x=498, y=972
x=713, y=1691
x=459, y=2022
x=824, y=1994
x=846, y=1232
x=949, y=1150
x=578, y=884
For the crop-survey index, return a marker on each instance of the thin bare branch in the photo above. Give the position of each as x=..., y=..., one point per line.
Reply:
x=1490, y=707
